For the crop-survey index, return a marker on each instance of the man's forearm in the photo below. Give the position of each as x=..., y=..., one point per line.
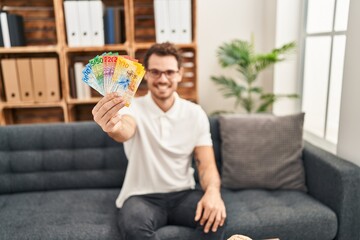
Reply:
x=208, y=173
x=209, y=178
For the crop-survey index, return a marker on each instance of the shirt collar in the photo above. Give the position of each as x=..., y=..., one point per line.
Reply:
x=155, y=111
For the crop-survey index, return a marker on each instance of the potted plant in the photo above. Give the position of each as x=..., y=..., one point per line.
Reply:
x=241, y=55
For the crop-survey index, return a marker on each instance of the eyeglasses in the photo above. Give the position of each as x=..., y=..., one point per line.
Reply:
x=155, y=73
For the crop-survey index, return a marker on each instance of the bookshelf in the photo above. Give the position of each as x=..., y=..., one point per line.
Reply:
x=45, y=33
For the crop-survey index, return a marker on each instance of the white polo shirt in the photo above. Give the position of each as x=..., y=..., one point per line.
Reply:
x=160, y=152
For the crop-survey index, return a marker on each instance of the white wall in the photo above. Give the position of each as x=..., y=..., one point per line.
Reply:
x=348, y=145
x=219, y=22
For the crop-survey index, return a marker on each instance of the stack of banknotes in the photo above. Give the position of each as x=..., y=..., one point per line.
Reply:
x=111, y=72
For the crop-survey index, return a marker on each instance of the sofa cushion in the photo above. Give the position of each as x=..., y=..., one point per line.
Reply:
x=285, y=214
x=70, y=214
x=262, y=151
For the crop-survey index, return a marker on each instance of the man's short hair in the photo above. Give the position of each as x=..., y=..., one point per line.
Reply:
x=163, y=49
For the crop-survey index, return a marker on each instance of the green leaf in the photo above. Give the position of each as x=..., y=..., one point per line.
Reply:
x=267, y=101
x=220, y=112
x=248, y=104
x=236, y=52
x=287, y=95
x=264, y=61
x=256, y=90
x=285, y=49
x=228, y=87
x=266, y=96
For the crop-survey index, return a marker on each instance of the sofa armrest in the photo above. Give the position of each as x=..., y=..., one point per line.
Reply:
x=336, y=183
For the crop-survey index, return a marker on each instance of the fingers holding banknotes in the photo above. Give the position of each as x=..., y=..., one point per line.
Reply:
x=105, y=112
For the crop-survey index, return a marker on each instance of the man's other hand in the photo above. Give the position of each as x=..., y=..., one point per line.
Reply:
x=211, y=210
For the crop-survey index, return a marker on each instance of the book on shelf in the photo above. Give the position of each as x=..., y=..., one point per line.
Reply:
x=72, y=82
x=11, y=80
x=114, y=25
x=5, y=29
x=84, y=19
x=97, y=23
x=185, y=31
x=38, y=76
x=109, y=25
x=173, y=21
x=25, y=80
x=82, y=89
x=72, y=23
x=162, y=27
x=84, y=23
x=120, y=25
x=52, y=81
x=12, y=30
x=1, y=36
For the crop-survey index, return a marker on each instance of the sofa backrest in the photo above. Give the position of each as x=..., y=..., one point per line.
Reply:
x=215, y=135
x=41, y=157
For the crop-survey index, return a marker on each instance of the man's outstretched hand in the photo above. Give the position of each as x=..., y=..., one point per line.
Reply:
x=105, y=112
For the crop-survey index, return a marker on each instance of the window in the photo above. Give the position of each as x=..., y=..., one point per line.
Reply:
x=324, y=52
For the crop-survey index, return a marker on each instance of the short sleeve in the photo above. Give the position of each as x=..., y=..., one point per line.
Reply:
x=203, y=129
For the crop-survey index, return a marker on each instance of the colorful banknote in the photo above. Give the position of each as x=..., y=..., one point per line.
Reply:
x=110, y=72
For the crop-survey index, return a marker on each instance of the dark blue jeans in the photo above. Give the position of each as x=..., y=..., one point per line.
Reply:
x=142, y=215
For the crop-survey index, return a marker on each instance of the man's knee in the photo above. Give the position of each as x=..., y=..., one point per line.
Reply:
x=135, y=220
x=134, y=228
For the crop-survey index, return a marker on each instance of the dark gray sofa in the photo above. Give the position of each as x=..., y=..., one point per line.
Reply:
x=60, y=181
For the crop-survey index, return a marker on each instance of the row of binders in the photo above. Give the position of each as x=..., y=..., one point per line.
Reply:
x=31, y=80
x=89, y=23
x=173, y=21
x=11, y=30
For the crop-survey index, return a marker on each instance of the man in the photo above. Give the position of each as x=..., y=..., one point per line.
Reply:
x=161, y=132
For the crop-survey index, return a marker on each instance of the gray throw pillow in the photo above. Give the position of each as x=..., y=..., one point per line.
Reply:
x=262, y=151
